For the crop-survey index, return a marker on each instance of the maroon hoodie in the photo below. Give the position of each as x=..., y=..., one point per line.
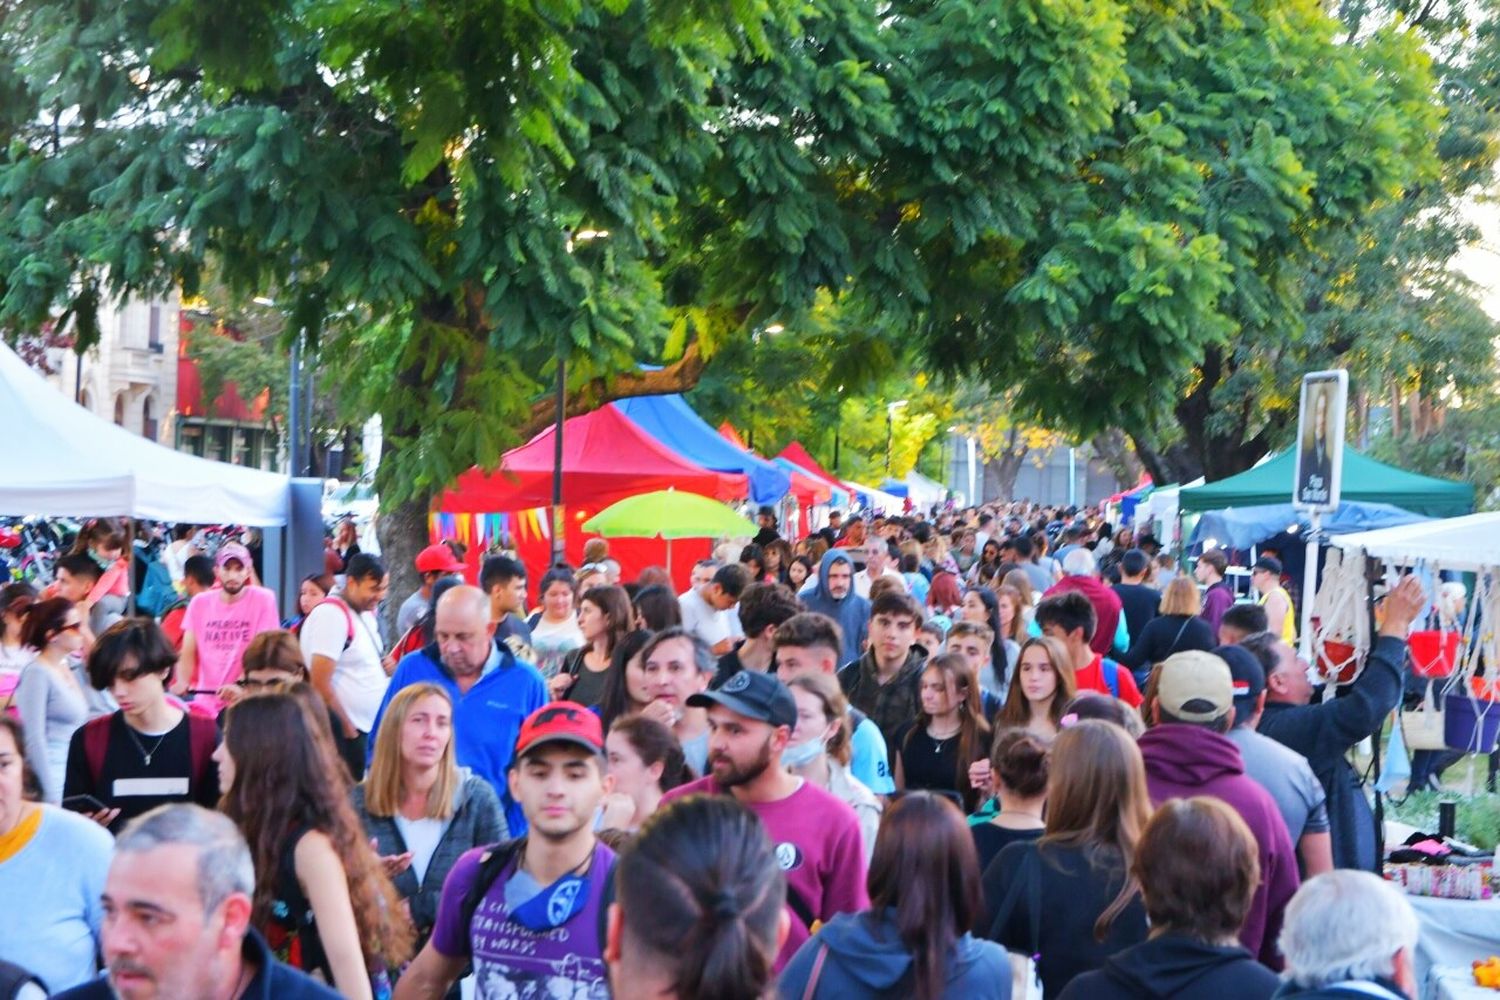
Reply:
x=1106, y=607
x=1185, y=760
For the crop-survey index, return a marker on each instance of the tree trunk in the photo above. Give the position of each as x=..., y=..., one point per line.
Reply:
x=402, y=531
x=1115, y=451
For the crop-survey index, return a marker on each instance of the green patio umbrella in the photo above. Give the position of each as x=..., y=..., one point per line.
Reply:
x=669, y=514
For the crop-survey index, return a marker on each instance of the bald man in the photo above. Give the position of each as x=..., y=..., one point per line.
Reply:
x=491, y=690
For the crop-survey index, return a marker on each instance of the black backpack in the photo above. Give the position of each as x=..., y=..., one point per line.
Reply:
x=13, y=979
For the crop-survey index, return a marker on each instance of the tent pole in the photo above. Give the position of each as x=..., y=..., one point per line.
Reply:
x=669, y=559
x=1309, y=584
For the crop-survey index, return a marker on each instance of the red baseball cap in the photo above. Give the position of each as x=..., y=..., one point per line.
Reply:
x=438, y=559
x=561, y=722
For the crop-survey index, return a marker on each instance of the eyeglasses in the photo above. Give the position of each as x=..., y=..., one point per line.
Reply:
x=250, y=682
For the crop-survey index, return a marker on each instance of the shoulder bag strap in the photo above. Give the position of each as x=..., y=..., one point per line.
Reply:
x=1173, y=648
x=1012, y=894
x=817, y=973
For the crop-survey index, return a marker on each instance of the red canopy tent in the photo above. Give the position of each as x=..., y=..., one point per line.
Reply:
x=797, y=455
x=606, y=457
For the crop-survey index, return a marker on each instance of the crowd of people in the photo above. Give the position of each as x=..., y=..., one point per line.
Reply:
x=980, y=754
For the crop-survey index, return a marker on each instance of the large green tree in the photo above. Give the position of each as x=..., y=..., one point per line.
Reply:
x=428, y=185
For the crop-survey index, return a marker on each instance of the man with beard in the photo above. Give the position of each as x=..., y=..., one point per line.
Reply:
x=177, y=906
x=492, y=690
x=816, y=836
x=219, y=624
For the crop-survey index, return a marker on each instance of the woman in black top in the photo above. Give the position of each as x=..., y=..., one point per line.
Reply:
x=1018, y=771
x=605, y=616
x=1176, y=629
x=1067, y=897
x=949, y=734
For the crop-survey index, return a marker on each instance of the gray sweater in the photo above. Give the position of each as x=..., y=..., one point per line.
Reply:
x=477, y=820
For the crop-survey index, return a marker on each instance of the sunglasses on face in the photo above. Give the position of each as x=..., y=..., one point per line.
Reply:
x=251, y=683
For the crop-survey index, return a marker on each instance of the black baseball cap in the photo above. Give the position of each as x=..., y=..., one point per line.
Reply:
x=1248, y=675
x=755, y=696
x=1270, y=564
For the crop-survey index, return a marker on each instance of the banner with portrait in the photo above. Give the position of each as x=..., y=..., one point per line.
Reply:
x=1320, y=440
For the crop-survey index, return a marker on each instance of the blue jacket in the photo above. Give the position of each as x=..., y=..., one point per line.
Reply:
x=273, y=980
x=866, y=959
x=1323, y=732
x=851, y=611
x=486, y=721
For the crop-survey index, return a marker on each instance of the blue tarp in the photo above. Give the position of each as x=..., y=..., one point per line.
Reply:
x=670, y=420
x=896, y=488
x=1244, y=527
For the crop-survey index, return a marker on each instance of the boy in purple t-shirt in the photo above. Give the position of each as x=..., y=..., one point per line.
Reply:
x=527, y=912
x=220, y=623
x=816, y=836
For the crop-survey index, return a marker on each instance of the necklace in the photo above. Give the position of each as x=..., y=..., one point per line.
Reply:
x=147, y=754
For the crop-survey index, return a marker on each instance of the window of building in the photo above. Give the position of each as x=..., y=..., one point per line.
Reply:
x=148, y=419
x=153, y=329
x=120, y=409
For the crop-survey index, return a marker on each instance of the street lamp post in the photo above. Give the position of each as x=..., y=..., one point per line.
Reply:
x=890, y=427
x=560, y=402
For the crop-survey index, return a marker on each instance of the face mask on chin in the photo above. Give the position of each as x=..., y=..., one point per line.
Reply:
x=801, y=754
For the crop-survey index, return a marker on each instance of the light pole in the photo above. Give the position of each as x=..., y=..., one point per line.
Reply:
x=560, y=402
x=890, y=427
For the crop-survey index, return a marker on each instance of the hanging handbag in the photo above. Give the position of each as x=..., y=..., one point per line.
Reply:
x=1422, y=727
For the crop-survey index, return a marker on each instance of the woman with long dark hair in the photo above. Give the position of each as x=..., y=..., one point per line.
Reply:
x=988, y=563
x=778, y=559
x=646, y=761
x=1069, y=897
x=657, y=608
x=797, y=572
x=701, y=908
x=981, y=606
x=915, y=939
x=48, y=696
x=949, y=734
x=1042, y=684
x=604, y=618
x=753, y=558
x=626, y=691
x=322, y=897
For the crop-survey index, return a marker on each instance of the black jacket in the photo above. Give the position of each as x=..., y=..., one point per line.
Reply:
x=1163, y=636
x=1172, y=967
x=1323, y=732
x=273, y=981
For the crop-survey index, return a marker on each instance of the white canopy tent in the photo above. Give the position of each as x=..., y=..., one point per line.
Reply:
x=924, y=492
x=64, y=461
x=1471, y=542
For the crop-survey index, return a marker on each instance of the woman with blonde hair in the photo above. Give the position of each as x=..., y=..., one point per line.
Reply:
x=322, y=898
x=1175, y=629
x=1069, y=897
x=1043, y=682
x=419, y=807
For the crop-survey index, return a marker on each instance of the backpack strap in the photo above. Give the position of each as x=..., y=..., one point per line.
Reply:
x=13, y=978
x=96, y=746
x=1111, y=671
x=348, y=616
x=491, y=863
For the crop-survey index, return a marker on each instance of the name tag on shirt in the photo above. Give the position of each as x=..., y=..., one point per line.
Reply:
x=127, y=787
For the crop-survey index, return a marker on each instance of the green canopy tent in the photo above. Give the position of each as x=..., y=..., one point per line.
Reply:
x=1363, y=479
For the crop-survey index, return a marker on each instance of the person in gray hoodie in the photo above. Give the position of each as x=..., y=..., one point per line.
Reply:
x=835, y=597
x=422, y=810
x=914, y=941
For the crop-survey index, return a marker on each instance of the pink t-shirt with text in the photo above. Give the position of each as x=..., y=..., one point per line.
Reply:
x=222, y=630
x=818, y=846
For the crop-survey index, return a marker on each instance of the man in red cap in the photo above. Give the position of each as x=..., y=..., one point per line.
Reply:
x=528, y=913
x=433, y=563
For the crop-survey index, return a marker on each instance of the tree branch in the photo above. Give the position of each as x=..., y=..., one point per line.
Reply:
x=680, y=376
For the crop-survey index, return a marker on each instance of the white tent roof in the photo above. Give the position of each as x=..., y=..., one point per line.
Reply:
x=886, y=503
x=924, y=491
x=62, y=460
x=1464, y=543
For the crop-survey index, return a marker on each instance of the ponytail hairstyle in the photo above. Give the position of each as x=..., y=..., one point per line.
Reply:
x=700, y=894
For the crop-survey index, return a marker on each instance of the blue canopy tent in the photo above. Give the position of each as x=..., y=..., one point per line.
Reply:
x=1244, y=527
x=670, y=420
